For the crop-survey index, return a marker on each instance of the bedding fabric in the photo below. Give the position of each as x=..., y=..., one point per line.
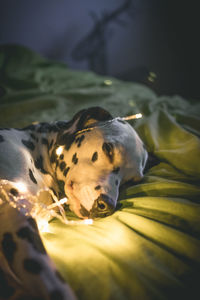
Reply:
x=150, y=247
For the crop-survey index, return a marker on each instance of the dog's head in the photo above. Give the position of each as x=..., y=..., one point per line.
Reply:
x=100, y=153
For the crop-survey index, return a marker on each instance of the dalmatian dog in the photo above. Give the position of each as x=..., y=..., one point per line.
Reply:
x=85, y=160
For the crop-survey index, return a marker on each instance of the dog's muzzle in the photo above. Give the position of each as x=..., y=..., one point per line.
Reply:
x=103, y=206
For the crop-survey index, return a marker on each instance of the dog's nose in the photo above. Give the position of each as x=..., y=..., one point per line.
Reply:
x=103, y=206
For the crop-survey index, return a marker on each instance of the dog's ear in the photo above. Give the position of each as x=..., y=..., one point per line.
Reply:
x=83, y=119
x=87, y=117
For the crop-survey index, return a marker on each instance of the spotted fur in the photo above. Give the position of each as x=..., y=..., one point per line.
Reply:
x=98, y=154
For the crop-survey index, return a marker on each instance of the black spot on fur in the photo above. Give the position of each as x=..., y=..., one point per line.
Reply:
x=56, y=295
x=61, y=156
x=66, y=139
x=108, y=149
x=32, y=176
x=1, y=139
x=14, y=192
x=61, y=185
x=66, y=171
x=32, y=237
x=94, y=156
x=33, y=223
x=116, y=170
x=44, y=141
x=62, y=165
x=62, y=124
x=33, y=136
x=74, y=158
x=9, y=246
x=39, y=165
x=32, y=265
x=98, y=187
x=79, y=140
x=6, y=291
x=30, y=127
x=50, y=145
x=53, y=156
x=28, y=145
x=44, y=127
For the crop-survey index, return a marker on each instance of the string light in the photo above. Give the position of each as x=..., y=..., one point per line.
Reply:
x=136, y=116
x=43, y=225
x=30, y=206
x=58, y=203
x=21, y=186
x=59, y=150
x=108, y=82
x=88, y=221
x=131, y=117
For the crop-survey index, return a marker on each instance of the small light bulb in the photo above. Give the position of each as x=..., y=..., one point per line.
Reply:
x=108, y=82
x=58, y=203
x=43, y=225
x=88, y=221
x=59, y=150
x=138, y=116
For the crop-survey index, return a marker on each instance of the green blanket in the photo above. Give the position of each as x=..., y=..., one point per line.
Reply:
x=150, y=247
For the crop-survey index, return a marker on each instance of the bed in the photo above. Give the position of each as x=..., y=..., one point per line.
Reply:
x=150, y=247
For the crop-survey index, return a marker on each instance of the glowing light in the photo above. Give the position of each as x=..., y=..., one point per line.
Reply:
x=151, y=79
x=136, y=116
x=80, y=222
x=43, y=225
x=152, y=76
x=21, y=186
x=108, y=82
x=88, y=221
x=59, y=150
x=58, y=203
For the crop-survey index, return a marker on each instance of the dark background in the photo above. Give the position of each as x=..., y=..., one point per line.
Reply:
x=150, y=41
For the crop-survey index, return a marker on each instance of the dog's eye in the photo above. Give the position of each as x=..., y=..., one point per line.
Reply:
x=108, y=149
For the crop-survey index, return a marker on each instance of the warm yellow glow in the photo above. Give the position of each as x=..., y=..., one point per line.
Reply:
x=108, y=82
x=136, y=116
x=88, y=221
x=43, y=225
x=79, y=222
x=21, y=186
x=152, y=74
x=58, y=203
x=151, y=79
x=59, y=150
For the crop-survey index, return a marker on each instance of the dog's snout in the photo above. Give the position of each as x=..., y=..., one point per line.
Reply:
x=103, y=206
